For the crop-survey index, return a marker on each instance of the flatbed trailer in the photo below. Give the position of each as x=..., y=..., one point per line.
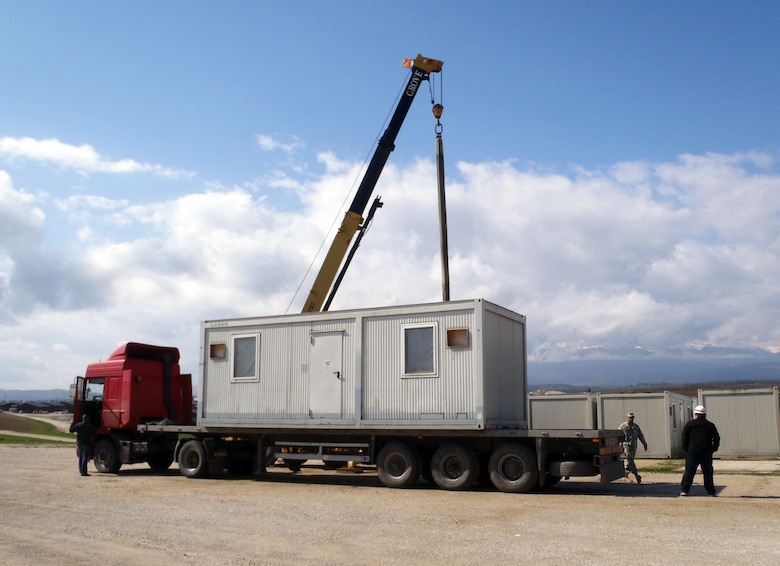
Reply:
x=528, y=459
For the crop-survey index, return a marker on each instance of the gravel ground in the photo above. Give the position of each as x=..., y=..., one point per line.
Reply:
x=51, y=515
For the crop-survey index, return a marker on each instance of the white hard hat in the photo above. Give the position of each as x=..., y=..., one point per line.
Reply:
x=699, y=410
x=630, y=415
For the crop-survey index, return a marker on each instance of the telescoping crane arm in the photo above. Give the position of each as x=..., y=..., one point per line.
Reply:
x=421, y=67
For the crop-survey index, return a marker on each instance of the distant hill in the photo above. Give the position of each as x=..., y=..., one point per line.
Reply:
x=624, y=373
x=34, y=395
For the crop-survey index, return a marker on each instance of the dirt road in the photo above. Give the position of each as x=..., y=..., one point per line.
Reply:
x=51, y=515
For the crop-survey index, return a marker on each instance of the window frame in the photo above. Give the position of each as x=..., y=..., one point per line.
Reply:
x=233, y=350
x=434, y=372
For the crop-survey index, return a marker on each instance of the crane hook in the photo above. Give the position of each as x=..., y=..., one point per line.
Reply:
x=438, y=110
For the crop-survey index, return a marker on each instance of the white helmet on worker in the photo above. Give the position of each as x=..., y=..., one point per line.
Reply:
x=699, y=410
x=630, y=415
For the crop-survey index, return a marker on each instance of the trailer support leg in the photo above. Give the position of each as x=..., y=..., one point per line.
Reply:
x=541, y=459
x=260, y=457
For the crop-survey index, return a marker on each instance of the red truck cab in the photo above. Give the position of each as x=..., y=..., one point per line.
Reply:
x=137, y=384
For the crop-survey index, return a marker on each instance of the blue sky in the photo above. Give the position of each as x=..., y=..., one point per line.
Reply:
x=612, y=169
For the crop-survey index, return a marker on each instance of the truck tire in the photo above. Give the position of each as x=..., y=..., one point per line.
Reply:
x=513, y=468
x=106, y=457
x=398, y=465
x=193, y=462
x=454, y=467
x=572, y=468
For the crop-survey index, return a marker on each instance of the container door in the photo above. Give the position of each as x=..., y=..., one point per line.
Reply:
x=326, y=379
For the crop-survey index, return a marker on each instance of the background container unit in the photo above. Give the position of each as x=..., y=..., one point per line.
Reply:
x=748, y=421
x=661, y=416
x=562, y=411
x=458, y=365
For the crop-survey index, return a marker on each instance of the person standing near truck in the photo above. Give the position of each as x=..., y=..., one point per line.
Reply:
x=85, y=436
x=700, y=440
x=632, y=435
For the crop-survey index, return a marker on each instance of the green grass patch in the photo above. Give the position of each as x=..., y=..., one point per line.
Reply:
x=17, y=423
x=740, y=473
x=665, y=467
x=27, y=440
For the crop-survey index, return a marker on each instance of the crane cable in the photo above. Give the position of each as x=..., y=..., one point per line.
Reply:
x=438, y=108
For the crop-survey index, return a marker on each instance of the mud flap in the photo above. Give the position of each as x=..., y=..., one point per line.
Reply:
x=612, y=471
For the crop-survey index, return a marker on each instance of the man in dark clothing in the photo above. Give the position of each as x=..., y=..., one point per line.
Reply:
x=700, y=439
x=85, y=436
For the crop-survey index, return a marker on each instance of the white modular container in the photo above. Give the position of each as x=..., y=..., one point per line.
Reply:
x=748, y=421
x=458, y=365
x=661, y=416
x=557, y=412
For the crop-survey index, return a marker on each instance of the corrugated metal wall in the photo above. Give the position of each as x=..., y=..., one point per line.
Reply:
x=389, y=396
x=281, y=393
x=661, y=417
x=748, y=421
x=562, y=412
x=504, y=372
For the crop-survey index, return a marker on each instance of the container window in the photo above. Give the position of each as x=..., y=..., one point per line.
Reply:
x=420, y=350
x=246, y=350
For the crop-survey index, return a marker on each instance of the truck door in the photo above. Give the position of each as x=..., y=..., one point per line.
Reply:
x=326, y=378
x=92, y=400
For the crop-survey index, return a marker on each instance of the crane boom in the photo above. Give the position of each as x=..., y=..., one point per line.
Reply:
x=421, y=69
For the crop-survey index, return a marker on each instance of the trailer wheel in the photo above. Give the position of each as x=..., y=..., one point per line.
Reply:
x=573, y=468
x=398, y=465
x=106, y=457
x=454, y=467
x=513, y=468
x=192, y=459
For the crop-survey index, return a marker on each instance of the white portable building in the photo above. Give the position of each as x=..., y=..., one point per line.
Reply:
x=555, y=411
x=661, y=416
x=748, y=421
x=458, y=365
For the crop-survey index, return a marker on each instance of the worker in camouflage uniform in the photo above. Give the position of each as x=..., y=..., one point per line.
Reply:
x=632, y=435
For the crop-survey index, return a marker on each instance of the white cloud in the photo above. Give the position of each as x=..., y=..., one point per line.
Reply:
x=21, y=219
x=659, y=255
x=80, y=202
x=82, y=158
x=270, y=143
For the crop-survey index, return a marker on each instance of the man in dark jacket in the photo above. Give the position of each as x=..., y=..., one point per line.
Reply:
x=85, y=436
x=700, y=439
